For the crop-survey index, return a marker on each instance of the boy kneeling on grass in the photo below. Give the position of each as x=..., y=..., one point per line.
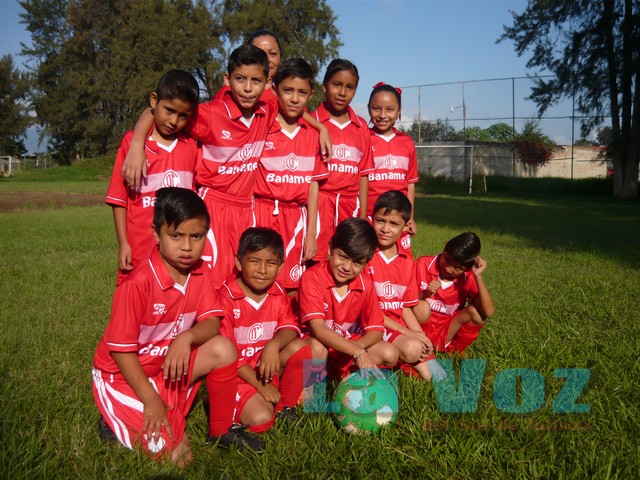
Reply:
x=339, y=307
x=162, y=339
x=258, y=318
x=452, y=288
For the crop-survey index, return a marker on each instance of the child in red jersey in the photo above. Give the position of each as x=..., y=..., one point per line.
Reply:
x=162, y=339
x=171, y=161
x=232, y=129
x=339, y=306
x=394, y=153
x=392, y=269
x=453, y=289
x=289, y=163
x=259, y=319
x=345, y=191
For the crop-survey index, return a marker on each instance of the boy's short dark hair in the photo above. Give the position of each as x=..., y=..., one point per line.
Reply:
x=254, y=239
x=394, y=200
x=464, y=248
x=263, y=32
x=356, y=238
x=294, y=68
x=175, y=205
x=178, y=84
x=248, y=55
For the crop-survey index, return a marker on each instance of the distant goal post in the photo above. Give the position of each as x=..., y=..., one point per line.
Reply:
x=457, y=162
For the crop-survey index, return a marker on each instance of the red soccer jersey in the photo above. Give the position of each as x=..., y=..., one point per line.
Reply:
x=394, y=280
x=150, y=309
x=250, y=324
x=354, y=314
x=290, y=161
x=394, y=159
x=451, y=296
x=231, y=145
x=351, y=157
x=165, y=169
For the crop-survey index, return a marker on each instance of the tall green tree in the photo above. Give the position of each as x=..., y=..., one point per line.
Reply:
x=426, y=131
x=14, y=107
x=592, y=48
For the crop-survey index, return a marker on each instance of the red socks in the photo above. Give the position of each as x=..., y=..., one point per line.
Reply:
x=291, y=381
x=222, y=385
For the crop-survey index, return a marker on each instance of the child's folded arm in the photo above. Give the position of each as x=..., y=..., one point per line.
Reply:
x=134, y=168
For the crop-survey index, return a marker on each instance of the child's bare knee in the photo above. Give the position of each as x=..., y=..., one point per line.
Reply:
x=220, y=349
x=411, y=351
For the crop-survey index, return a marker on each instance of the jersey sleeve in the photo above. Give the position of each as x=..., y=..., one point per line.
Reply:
x=310, y=298
x=117, y=193
x=371, y=316
x=209, y=305
x=366, y=162
x=412, y=171
x=410, y=297
x=287, y=320
x=127, y=313
x=423, y=277
x=471, y=287
x=200, y=124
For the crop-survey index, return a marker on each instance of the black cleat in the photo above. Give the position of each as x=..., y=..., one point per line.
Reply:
x=105, y=431
x=239, y=437
x=287, y=416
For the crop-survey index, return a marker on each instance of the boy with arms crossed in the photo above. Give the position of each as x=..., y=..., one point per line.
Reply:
x=162, y=338
x=339, y=306
x=259, y=319
x=392, y=269
x=232, y=129
x=171, y=161
x=452, y=288
x=289, y=163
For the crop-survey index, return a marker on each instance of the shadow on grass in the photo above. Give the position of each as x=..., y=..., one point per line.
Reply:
x=608, y=228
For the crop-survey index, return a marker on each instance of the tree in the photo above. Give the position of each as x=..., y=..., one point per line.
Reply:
x=592, y=48
x=425, y=131
x=532, y=146
x=14, y=107
x=305, y=28
x=604, y=136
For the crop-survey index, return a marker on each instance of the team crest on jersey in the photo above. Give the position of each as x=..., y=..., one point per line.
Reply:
x=269, y=146
x=405, y=241
x=342, y=152
x=390, y=162
x=387, y=290
x=177, y=328
x=291, y=162
x=170, y=179
x=226, y=135
x=295, y=273
x=236, y=314
x=438, y=306
x=246, y=152
x=159, y=309
x=255, y=332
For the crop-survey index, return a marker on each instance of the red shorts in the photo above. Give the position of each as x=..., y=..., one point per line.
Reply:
x=244, y=394
x=332, y=209
x=230, y=217
x=123, y=411
x=436, y=328
x=290, y=221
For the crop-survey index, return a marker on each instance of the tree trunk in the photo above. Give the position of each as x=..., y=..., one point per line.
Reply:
x=625, y=177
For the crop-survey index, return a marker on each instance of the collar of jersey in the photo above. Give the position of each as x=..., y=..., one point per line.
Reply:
x=153, y=145
x=276, y=127
x=232, y=108
x=236, y=292
x=161, y=272
x=355, y=284
x=434, y=270
x=323, y=115
x=401, y=250
x=396, y=131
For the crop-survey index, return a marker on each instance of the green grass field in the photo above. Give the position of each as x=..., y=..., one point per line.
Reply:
x=565, y=277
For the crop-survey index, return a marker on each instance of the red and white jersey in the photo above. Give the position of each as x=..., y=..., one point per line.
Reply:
x=289, y=162
x=251, y=324
x=150, y=309
x=354, y=314
x=173, y=168
x=351, y=157
x=452, y=295
x=394, y=280
x=231, y=145
x=394, y=159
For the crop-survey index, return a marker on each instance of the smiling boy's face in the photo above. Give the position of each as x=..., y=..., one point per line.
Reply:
x=343, y=268
x=388, y=227
x=247, y=82
x=258, y=270
x=293, y=95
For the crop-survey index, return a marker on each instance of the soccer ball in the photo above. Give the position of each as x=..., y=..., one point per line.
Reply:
x=365, y=404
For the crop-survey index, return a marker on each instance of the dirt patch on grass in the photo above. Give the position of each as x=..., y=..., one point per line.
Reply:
x=14, y=201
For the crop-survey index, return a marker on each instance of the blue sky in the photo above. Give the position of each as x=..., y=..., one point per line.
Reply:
x=416, y=42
